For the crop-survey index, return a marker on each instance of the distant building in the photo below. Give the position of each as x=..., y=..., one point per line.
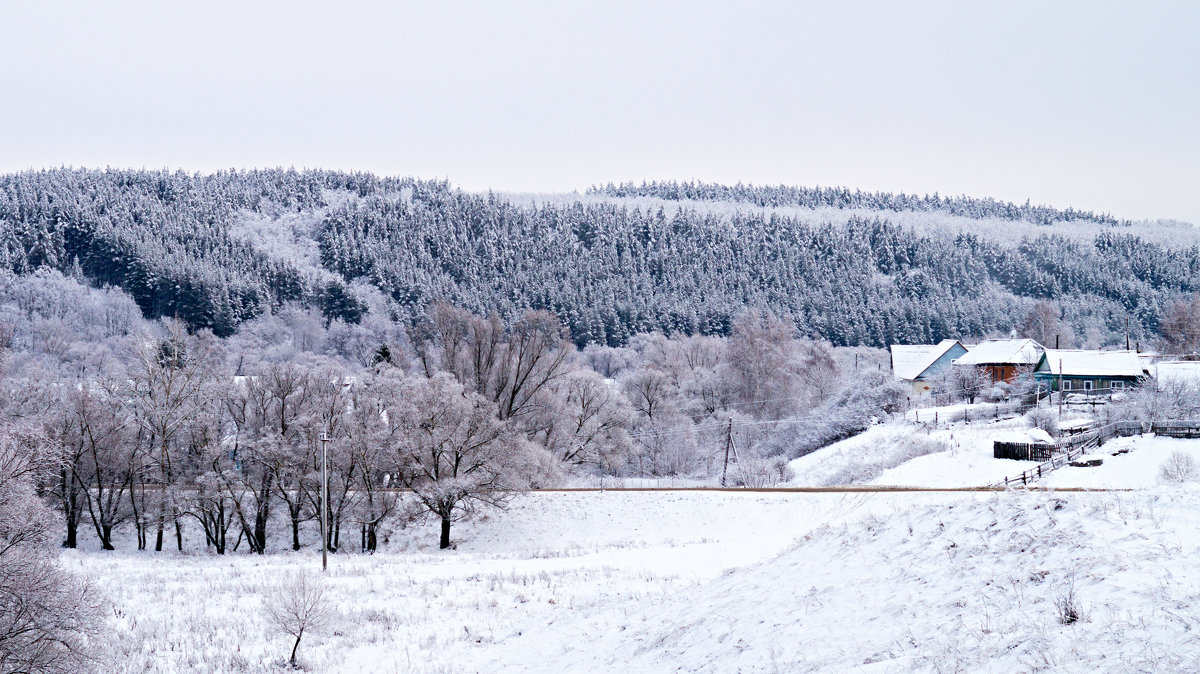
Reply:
x=1003, y=359
x=918, y=364
x=1176, y=372
x=1087, y=371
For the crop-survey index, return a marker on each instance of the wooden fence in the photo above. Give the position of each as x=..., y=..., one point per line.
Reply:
x=1070, y=448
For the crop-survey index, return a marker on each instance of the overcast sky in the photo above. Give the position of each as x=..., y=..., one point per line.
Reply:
x=1094, y=105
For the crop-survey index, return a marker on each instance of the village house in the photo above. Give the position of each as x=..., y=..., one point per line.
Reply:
x=1003, y=359
x=919, y=364
x=1084, y=371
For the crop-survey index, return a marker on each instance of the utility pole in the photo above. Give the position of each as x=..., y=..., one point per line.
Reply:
x=728, y=442
x=324, y=504
x=1060, y=388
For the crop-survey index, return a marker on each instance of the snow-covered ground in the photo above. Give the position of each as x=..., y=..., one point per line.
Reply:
x=1014, y=582
x=709, y=581
x=414, y=608
x=914, y=456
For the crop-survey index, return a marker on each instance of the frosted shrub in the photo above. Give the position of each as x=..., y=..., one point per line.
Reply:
x=1180, y=467
x=861, y=468
x=1044, y=419
x=771, y=471
x=298, y=607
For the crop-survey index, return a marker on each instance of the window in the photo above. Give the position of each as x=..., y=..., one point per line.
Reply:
x=1066, y=385
x=1087, y=386
x=1117, y=385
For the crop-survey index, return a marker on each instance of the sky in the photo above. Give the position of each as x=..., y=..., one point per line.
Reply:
x=1092, y=105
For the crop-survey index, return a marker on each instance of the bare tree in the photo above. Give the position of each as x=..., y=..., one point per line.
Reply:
x=538, y=352
x=47, y=616
x=584, y=421
x=297, y=607
x=453, y=453
x=969, y=382
x=1180, y=326
x=165, y=380
x=369, y=438
x=1044, y=324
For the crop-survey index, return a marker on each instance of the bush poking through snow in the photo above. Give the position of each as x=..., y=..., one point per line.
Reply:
x=1044, y=419
x=1067, y=605
x=296, y=607
x=1180, y=467
x=758, y=473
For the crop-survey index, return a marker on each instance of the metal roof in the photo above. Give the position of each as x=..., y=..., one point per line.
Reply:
x=1085, y=363
x=909, y=361
x=1003, y=352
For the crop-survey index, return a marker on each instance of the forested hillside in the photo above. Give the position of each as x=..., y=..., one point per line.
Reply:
x=215, y=250
x=841, y=197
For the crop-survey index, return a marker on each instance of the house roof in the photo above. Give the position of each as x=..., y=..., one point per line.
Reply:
x=909, y=361
x=1084, y=363
x=1003, y=352
x=1181, y=370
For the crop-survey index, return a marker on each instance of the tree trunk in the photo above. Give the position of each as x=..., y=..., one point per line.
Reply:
x=295, y=532
x=260, y=531
x=158, y=539
x=445, y=542
x=72, y=533
x=178, y=533
x=106, y=537
x=372, y=540
x=294, y=647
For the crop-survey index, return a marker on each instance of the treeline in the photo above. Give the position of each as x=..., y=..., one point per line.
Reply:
x=180, y=246
x=612, y=272
x=144, y=427
x=166, y=238
x=842, y=197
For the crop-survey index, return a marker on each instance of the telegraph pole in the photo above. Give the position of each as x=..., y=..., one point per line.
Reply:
x=324, y=504
x=1060, y=389
x=728, y=442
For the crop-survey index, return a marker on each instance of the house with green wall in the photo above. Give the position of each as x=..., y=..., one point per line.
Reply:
x=1087, y=371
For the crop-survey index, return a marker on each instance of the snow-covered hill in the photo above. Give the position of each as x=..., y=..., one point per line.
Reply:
x=1014, y=582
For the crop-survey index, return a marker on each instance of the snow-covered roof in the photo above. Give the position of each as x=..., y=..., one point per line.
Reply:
x=1085, y=363
x=910, y=360
x=1003, y=352
x=1181, y=370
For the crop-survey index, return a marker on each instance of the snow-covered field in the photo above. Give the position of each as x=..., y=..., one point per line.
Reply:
x=727, y=581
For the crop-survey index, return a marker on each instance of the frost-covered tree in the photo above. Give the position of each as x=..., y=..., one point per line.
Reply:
x=164, y=382
x=452, y=451
x=49, y=619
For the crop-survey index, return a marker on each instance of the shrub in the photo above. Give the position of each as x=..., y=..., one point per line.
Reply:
x=1044, y=419
x=1180, y=467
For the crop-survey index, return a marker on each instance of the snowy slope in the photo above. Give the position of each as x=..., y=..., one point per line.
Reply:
x=414, y=608
x=972, y=586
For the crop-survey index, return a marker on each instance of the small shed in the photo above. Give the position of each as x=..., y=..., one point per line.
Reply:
x=1086, y=371
x=918, y=364
x=1003, y=359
